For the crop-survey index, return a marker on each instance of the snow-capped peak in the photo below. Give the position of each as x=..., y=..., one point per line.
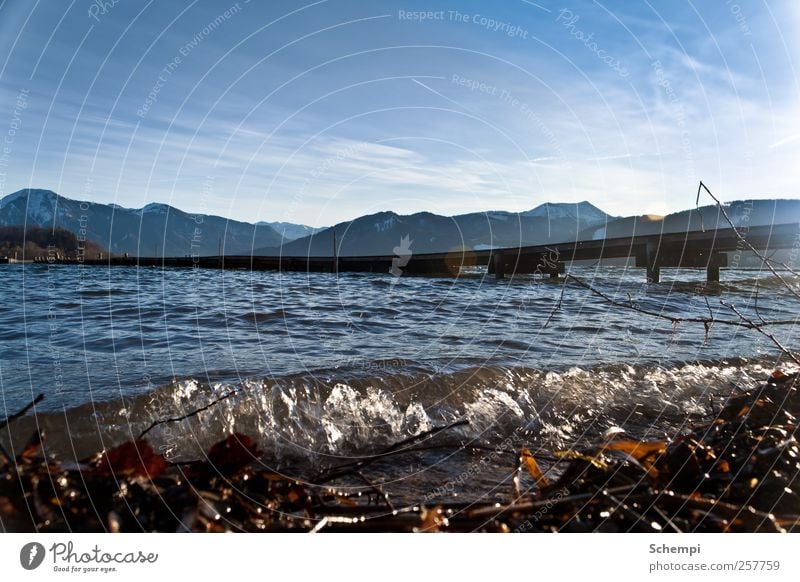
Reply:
x=35, y=197
x=155, y=208
x=385, y=224
x=555, y=210
x=499, y=215
x=29, y=206
x=11, y=198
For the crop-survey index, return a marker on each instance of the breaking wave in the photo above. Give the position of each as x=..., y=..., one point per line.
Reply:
x=335, y=413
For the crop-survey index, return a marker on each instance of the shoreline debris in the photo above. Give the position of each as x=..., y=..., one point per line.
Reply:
x=736, y=472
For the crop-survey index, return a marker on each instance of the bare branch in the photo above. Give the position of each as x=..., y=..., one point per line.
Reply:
x=557, y=306
x=785, y=266
x=378, y=491
x=697, y=207
x=767, y=262
x=6, y=456
x=674, y=320
x=23, y=412
x=755, y=306
x=185, y=416
x=707, y=325
x=760, y=328
x=398, y=447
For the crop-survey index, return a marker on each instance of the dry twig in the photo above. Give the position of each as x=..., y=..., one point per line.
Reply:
x=185, y=416
x=765, y=260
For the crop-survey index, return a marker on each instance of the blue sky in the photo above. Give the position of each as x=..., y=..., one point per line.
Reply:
x=320, y=112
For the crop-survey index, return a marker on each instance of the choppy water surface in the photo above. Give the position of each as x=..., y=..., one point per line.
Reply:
x=332, y=367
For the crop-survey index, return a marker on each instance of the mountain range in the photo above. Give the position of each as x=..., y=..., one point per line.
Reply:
x=381, y=233
x=158, y=229
x=154, y=230
x=290, y=231
x=742, y=213
x=378, y=234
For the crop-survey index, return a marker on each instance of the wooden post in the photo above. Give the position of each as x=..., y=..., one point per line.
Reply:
x=653, y=273
x=499, y=266
x=715, y=261
x=653, y=269
x=335, y=266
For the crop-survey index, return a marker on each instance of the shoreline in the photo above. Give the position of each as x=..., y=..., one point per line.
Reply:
x=731, y=473
x=509, y=398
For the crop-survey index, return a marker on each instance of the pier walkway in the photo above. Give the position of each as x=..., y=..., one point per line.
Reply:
x=707, y=250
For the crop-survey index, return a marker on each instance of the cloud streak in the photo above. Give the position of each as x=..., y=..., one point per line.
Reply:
x=338, y=112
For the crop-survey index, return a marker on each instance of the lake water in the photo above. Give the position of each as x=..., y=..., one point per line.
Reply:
x=330, y=368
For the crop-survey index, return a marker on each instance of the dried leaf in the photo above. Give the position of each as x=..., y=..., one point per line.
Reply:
x=644, y=452
x=40, y=507
x=639, y=450
x=131, y=459
x=432, y=520
x=777, y=377
x=33, y=448
x=234, y=453
x=6, y=506
x=114, y=522
x=575, y=455
x=297, y=494
x=683, y=465
x=533, y=468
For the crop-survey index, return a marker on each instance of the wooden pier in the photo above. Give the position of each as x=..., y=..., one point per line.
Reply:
x=707, y=250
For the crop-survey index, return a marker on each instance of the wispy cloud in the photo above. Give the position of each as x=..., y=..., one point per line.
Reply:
x=785, y=141
x=351, y=114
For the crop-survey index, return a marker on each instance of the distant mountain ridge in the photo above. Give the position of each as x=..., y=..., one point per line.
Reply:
x=159, y=229
x=743, y=213
x=380, y=233
x=290, y=231
x=155, y=230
